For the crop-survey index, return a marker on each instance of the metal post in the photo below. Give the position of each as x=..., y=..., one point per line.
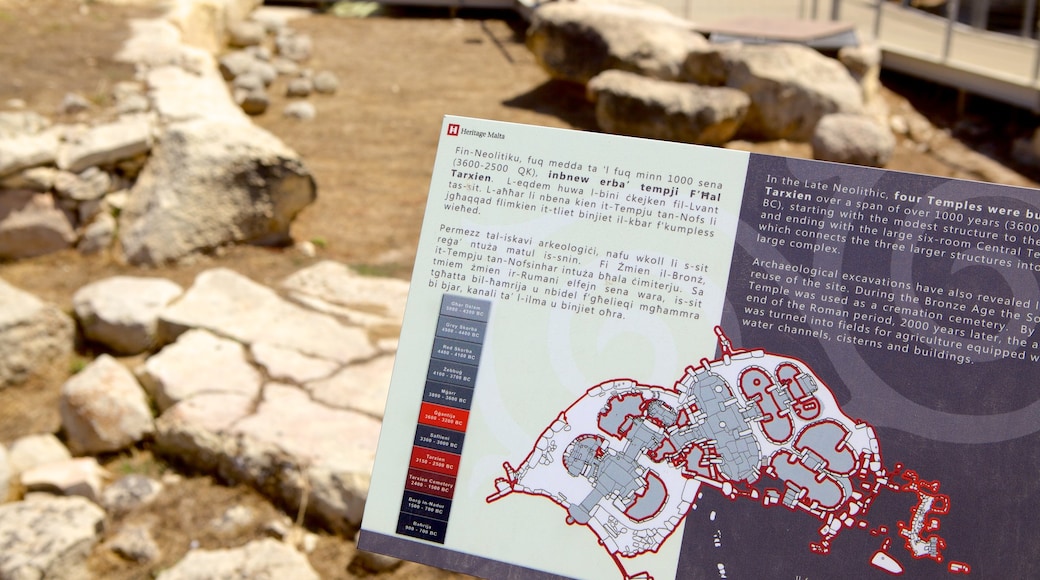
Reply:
x=952, y=7
x=1029, y=19
x=877, y=19
x=979, y=14
x=815, y=9
x=835, y=10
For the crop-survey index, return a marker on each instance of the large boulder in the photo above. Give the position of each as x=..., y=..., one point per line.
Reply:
x=33, y=335
x=576, y=41
x=791, y=88
x=856, y=139
x=211, y=183
x=629, y=104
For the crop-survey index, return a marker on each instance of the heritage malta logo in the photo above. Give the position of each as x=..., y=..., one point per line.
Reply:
x=453, y=129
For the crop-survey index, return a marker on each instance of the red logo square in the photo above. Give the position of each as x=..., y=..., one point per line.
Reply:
x=453, y=129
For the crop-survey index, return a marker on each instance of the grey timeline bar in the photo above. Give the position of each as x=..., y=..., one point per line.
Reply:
x=450, y=381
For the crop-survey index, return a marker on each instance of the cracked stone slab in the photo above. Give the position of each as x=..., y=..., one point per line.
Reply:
x=185, y=369
x=231, y=305
x=336, y=289
x=288, y=446
x=362, y=387
x=286, y=364
x=48, y=537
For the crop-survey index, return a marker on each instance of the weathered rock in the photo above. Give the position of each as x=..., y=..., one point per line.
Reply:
x=122, y=312
x=135, y=543
x=245, y=33
x=260, y=52
x=203, y=23
x=15, y=123
x=285, y=364
x=236, y=63
x=576, y=41
x=5, y=474
x=264, y=558
x=185, y=369
x=34, y=450
x=326, y=82
x=361, y=387
x=82, y=477
x=129, y=492
x=210, y=183
x=234, y=306
x=103, y=408
x=284, y=446
x=791, y=88
x=89, y=185
x=107, y=144
x=707, y=65
x=98, y=235
x=253, y=102
x=233, y=520
x=299, y=87
x=857, y=139
x=25, y=151
x=284, y=66
x=336, y=289
x=864, y=63
x=40, y=179
x=249, y=81
x=31, y=225
x=301, y=110
x=179, y=95
x=73, y=103
x=294, y=46
x=629, y=104
x=48, y=537
x=33, y=335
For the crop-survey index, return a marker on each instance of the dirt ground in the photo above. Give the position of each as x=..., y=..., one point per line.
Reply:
x=371, y=150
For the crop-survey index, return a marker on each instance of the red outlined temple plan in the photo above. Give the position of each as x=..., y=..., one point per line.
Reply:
x=628, y=460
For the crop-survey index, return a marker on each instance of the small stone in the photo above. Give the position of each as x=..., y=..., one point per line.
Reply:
x=122, y=312
x=33, y=542
x=98, y=235
x=129, y=492
x=249, y=81
x=299, y=87
x=103, y=408
x=73, y=103
x=234, y=520
x=326, y=82
x=284, y=66
x=82, y=476
x=301, y=110
x=5, y=474
x=236, y=63
x=260, y=52
x=34, y=450
x=245, y=33
x=136, y=544
x=294, y=46
x=253, y=102
x=89, y=184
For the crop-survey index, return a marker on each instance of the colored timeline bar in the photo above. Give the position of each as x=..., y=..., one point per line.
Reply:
x=443, y=416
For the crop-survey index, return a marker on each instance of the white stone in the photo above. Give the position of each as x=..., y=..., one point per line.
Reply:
x=32, y=225
x=858, y=139
x=630, y=104
x=336, y=289
x=33, y=334
x=89, y=185
x=82, y=476
x=210, y=183
x=122, y=312
x=103, y=408
x=49, y=537
x=134, y=543
x=301, y=110
x=286, y=364
x=179, y=95
x=232, y=305
x=24, y=151
x=198, y=362
x=16, y=123
x=362, y=387
x=106, y=144
x=98, y=235
x=576, y=41
x=34, y=450
x=791, y=88
x=266, y=558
